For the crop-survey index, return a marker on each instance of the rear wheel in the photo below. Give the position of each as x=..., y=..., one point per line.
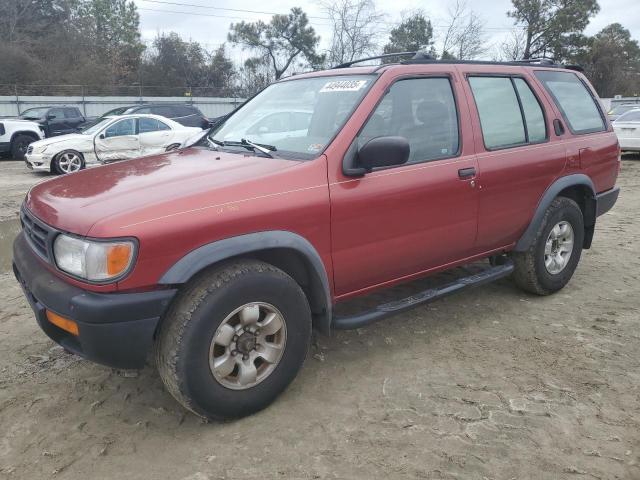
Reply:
x=549, y=263
x=68, y=161
x=19, y=146
x=234, y=339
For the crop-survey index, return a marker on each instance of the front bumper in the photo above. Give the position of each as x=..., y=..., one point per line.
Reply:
x=38, y=161
x=606, y=200
x=115, y=329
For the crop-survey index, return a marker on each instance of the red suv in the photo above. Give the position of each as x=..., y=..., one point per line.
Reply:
x=221, y=257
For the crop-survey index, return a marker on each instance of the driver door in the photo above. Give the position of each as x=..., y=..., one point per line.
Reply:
x=118, y=141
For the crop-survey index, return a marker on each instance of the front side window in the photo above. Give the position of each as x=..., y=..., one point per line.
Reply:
x=57, y=112
x=146, y=125
x=120, y=128
x=70, y=113
x=422, y=110
x=576, y=103
x=319, y=105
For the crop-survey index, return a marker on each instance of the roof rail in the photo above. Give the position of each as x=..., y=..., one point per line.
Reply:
x=376, y=57
x=425, y=57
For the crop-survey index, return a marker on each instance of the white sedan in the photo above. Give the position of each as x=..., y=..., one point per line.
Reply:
x=627, y=128
x=115, y=138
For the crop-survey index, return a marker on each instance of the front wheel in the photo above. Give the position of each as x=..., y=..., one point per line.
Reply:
x=234, y=339
x=19, y=146
x=549, y=263
x=68, y=161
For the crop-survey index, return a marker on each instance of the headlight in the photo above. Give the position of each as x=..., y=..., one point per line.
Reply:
x=93, y=260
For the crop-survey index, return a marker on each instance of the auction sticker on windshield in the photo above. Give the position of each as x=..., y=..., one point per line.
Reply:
x=343, y=86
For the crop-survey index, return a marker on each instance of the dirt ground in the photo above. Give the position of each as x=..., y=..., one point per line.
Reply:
x=489, y=384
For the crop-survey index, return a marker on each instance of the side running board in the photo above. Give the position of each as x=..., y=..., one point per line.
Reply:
x=422, y=298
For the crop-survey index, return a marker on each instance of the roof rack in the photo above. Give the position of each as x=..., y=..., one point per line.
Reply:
x=422, y=55
x=425, y=57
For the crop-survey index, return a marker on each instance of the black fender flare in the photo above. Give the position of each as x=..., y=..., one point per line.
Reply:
x=207, y=255
x=576, y=179
x=27, y=133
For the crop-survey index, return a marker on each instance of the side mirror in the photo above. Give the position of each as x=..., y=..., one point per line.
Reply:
x=101, y=136
x=379, y=152
x=50, y=117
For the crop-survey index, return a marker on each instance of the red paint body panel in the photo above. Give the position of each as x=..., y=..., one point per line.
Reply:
x=383, y=228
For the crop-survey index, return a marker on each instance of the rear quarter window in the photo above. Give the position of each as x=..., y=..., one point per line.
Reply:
x=578, y=106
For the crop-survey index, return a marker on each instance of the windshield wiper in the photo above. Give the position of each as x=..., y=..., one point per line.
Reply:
x=266, y=149
x=248, y=144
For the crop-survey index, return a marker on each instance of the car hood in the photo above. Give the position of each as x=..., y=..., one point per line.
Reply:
x=134, y=191
x=71, y=137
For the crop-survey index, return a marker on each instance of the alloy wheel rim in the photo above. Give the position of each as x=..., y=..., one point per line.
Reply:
x=69, y=162
x=558, y=247
x=247, y=346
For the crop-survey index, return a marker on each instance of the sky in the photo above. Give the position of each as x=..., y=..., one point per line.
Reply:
x=207, y=21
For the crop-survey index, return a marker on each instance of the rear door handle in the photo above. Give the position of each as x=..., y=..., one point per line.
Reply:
x=465, y=173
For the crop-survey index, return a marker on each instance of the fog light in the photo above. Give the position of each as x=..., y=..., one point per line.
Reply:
x=63, y=323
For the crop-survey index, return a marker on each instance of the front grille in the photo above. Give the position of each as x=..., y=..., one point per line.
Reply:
x=38, y=233
x=29, y=150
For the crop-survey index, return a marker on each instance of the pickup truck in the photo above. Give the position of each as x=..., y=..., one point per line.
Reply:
x=55, y=120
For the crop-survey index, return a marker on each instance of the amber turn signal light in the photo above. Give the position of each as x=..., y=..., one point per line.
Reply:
x=63, y=323
x=118, y=258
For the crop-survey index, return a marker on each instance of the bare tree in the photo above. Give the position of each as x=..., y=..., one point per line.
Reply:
x=355, y=25
x=513, y=47
x=464, y=38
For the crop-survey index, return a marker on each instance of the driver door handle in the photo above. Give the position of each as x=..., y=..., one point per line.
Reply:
x=465, y=173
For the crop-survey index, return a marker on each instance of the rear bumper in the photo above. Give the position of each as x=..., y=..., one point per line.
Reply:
x=115, y=329
x=606, y=200
x=629, y=144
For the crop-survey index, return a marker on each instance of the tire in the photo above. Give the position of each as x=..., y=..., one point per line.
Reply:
x=185, y=344
x=536, y=270
x=67, y=161
x=19, y=145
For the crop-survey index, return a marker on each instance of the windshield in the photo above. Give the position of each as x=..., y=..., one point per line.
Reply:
x=34, y=113
x=296, y=116
x=98, y=126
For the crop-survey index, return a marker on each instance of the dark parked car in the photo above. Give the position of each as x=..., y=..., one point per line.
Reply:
x=58, y=120
x=184, y=114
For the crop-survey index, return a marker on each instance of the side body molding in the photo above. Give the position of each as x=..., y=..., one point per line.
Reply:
x=577, y=179
x=263, y=245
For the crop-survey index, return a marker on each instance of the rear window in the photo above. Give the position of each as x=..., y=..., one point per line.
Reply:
x=579, y=109
x=630, y=117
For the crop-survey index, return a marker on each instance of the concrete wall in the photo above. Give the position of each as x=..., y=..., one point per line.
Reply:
x=96, y=106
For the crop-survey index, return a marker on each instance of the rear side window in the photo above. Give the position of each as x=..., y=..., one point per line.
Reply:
x=499, y=110
x=146, y=125
x=423, y=110
x=183, y=111
x=574, y=100
x=534, y=118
